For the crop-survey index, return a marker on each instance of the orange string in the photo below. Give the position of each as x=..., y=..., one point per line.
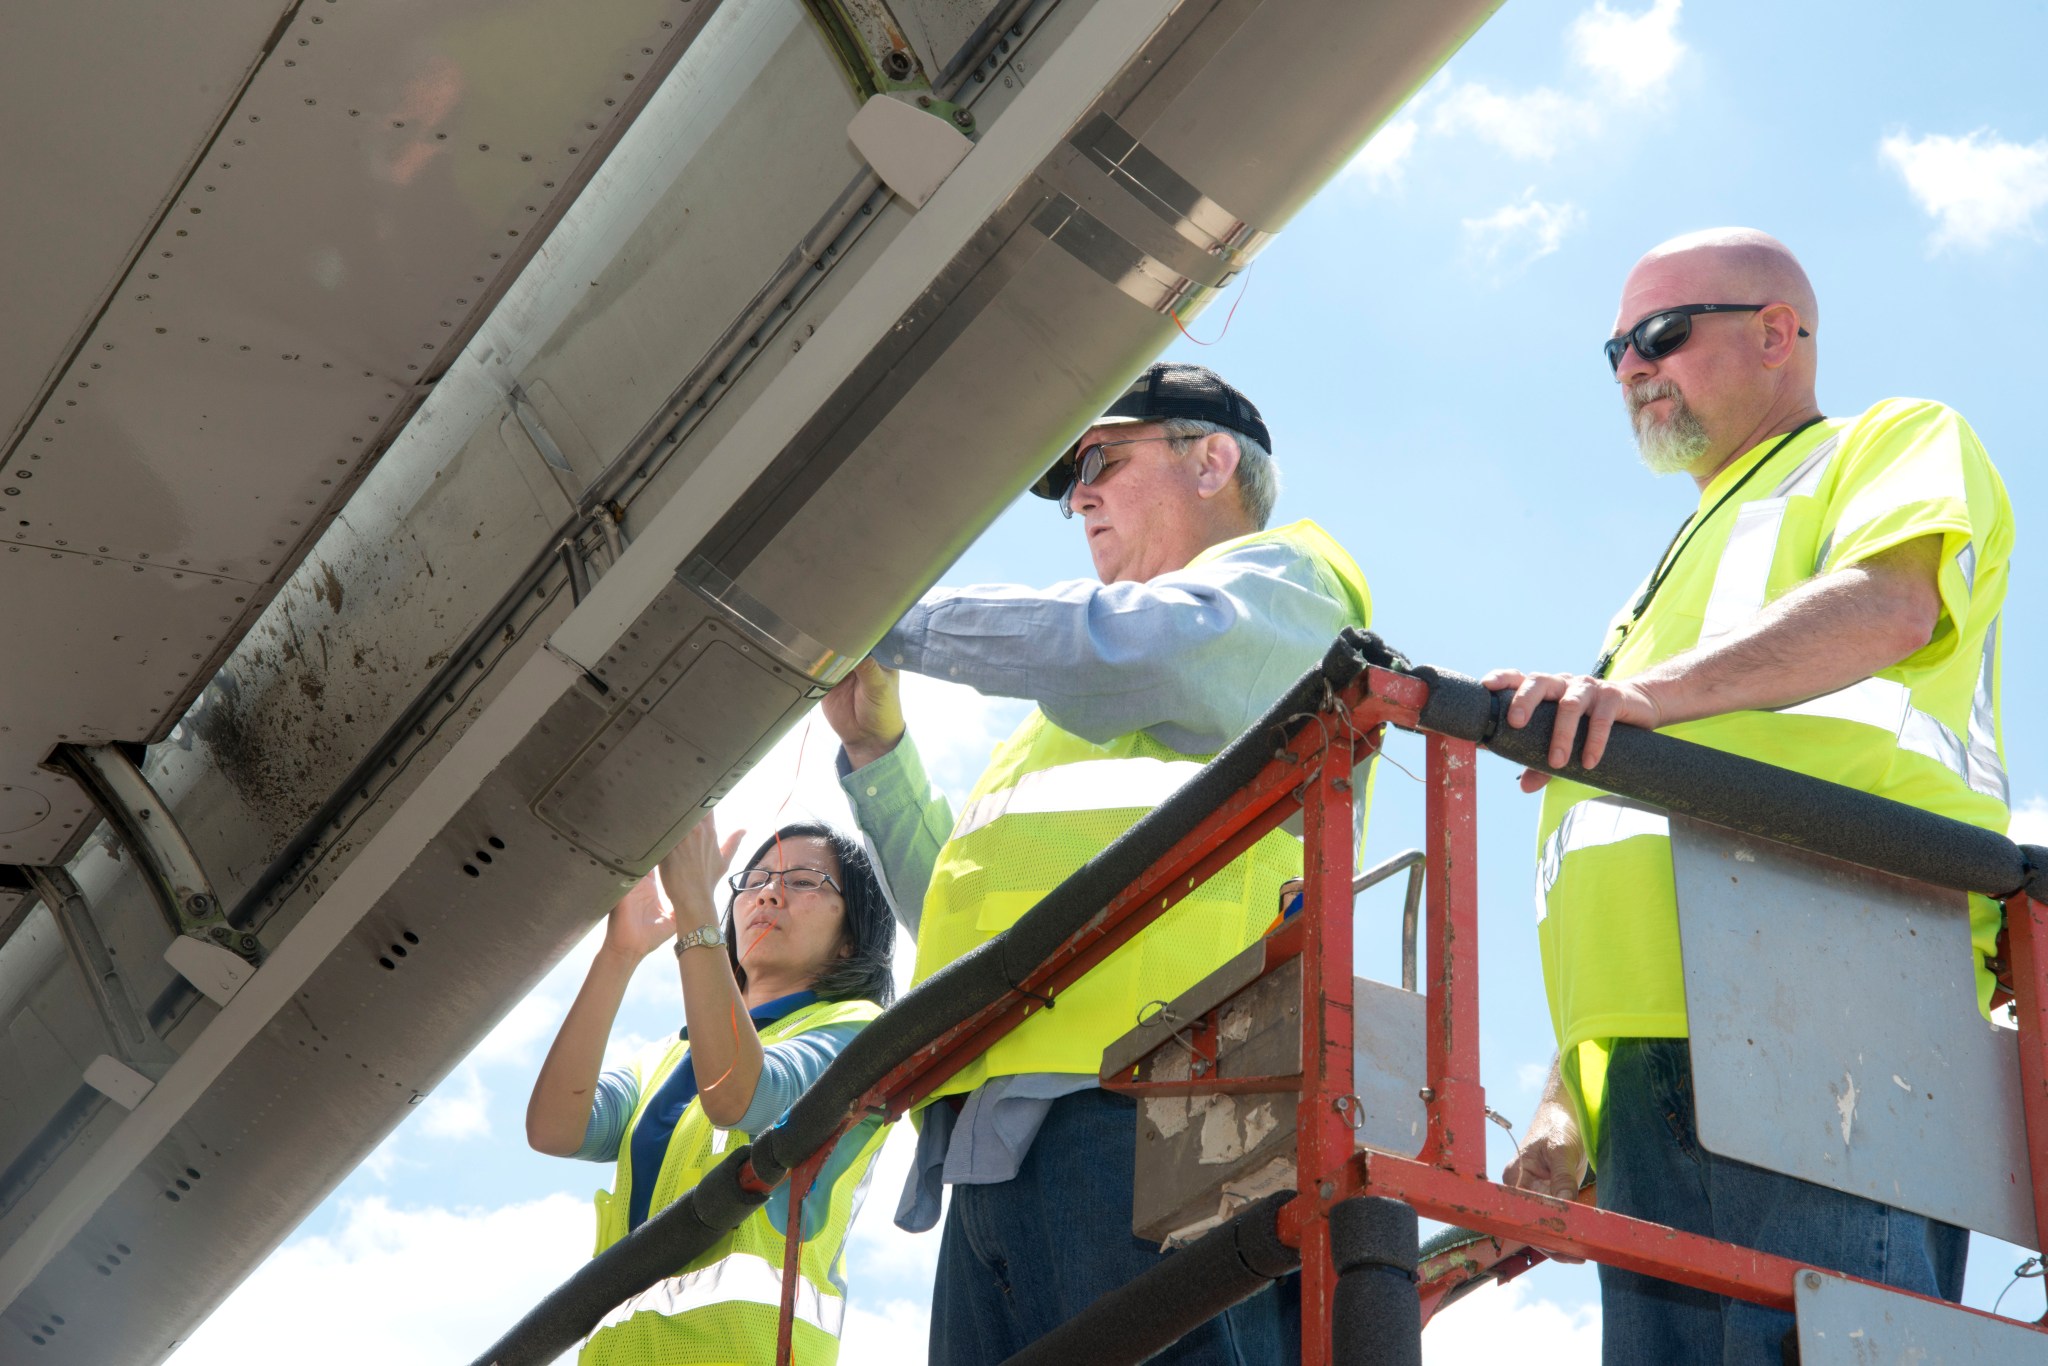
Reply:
x=1242, y=286
x=795, y=779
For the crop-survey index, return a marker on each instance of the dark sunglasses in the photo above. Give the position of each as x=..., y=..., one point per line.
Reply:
x=1668, y=329
x=1090, y=464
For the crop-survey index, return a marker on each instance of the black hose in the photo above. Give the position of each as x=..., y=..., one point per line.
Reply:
x=1377, y=1317
x=1149, y=1313
x=688, y=1228
x=1715, y=786
x=659, y=1248
x=1748, y=796
x=983, y=977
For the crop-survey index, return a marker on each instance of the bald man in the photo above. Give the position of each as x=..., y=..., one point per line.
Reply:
x=1831, y=605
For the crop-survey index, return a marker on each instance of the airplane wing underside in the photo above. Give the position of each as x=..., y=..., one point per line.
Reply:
x=447, y=445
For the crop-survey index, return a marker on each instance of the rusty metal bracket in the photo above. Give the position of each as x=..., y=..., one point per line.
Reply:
x=150, y=835
x=869, y=46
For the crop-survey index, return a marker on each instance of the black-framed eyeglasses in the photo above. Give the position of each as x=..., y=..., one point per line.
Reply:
x=1668, y=329
x=1090, y=464
x=793, y=879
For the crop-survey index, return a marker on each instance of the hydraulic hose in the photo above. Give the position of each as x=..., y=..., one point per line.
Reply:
x=1143, y=1316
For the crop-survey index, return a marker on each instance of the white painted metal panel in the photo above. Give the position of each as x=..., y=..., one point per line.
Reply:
x=241, y=239
x=107, y=103
x=101, y=646
x=1835, y=1032
x=1851, y=1323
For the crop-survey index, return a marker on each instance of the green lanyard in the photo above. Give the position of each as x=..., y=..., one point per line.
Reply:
x=1671, y=556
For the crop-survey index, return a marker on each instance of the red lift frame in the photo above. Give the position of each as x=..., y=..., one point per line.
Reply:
x=1447, y=1180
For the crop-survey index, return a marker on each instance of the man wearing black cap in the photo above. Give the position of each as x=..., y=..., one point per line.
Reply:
x=1201, y=618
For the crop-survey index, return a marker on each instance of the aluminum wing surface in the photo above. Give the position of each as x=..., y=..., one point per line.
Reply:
x=448, y=446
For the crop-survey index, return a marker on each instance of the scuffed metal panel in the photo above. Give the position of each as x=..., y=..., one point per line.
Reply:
x=302, y=212
x=361, y=628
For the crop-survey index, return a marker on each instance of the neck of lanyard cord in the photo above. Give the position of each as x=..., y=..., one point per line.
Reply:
x=1674, y=551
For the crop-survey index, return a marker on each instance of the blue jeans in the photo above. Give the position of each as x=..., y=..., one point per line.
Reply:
x=1022, y=1256
x=1651, y=1166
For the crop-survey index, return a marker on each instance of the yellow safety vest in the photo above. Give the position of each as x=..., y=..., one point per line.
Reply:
x=722, y=1308
x=1048, y=802
x=1924, y=732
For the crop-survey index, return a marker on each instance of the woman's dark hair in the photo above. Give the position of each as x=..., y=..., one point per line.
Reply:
x=869, y=932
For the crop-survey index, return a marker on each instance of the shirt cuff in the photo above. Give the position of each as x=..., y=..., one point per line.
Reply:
x=903, y=646
x=890, y=783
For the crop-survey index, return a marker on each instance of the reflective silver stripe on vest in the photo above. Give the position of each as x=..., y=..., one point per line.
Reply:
x=1805, y=479
x=1741, y=586
x=1966, y=560
x=1986, y=773
x=1090, y=785
x=1888, y=706
x=739, y=1277
x=1596, y=821
x=1742, y=579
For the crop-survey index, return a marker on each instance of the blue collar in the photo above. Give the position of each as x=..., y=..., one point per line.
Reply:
x=771, y=1011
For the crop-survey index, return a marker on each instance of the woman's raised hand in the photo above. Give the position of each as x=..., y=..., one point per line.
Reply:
x=642, y=921
x=690, y=873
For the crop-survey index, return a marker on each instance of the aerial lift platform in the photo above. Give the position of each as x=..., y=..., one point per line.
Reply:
x=1295, y=1118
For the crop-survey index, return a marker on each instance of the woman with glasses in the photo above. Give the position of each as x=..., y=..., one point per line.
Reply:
x=772, y=990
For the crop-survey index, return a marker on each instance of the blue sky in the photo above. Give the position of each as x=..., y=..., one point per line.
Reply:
x=1423, y=340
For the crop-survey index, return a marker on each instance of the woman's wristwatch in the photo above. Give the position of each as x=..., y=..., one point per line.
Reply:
x=704, y=937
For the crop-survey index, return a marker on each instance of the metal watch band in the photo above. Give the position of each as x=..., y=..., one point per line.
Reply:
x=704, y=936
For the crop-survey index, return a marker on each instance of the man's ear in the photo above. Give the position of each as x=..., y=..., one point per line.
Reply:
x=1781, y=334
x=1215, y=465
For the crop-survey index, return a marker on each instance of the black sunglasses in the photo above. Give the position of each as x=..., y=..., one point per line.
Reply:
x=1090, y=465
x=1668, y=329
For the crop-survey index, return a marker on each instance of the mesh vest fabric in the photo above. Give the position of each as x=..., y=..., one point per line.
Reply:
x=722, y=1309
x=1924, y=732
x=1047, y=803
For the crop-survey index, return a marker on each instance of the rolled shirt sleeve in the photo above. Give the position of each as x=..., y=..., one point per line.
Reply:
x=1191, y=657
x=905, y=821
x=611, y=1110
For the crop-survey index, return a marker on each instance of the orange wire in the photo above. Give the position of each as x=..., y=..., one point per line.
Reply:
x=795, y=779
x=1242, y=286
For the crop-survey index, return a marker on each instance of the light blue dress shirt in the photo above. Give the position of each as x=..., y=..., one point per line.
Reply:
x=1192, y=657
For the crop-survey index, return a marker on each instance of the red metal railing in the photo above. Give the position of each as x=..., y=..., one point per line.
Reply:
x=1447, y=1180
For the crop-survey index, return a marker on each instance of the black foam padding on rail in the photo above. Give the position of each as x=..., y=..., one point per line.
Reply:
x=1457, y=705
x=983, y=977
x=2037, y=870
x=657, y=1249
x=1377, y=1317
x=1745, y=795
x=1165, y=1303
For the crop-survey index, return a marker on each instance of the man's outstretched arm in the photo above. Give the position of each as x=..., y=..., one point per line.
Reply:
x=1829, y=632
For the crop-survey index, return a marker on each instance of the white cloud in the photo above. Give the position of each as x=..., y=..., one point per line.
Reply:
x=1530, y=125
x=1380, y=162
x=1530, y=1076
x=1512, y=1322
x=428, y=1286
x=521, y=1035
x=955, y=728
x=1621, y=58
x=459, y=1108
x=2030, y=822
x=1978, y=188
x=1631, y=53
x=1516, y=234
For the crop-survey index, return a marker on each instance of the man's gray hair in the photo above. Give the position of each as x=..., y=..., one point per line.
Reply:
x=1258, y=478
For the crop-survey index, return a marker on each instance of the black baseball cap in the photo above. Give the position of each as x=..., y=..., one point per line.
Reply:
x=1166, y=390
